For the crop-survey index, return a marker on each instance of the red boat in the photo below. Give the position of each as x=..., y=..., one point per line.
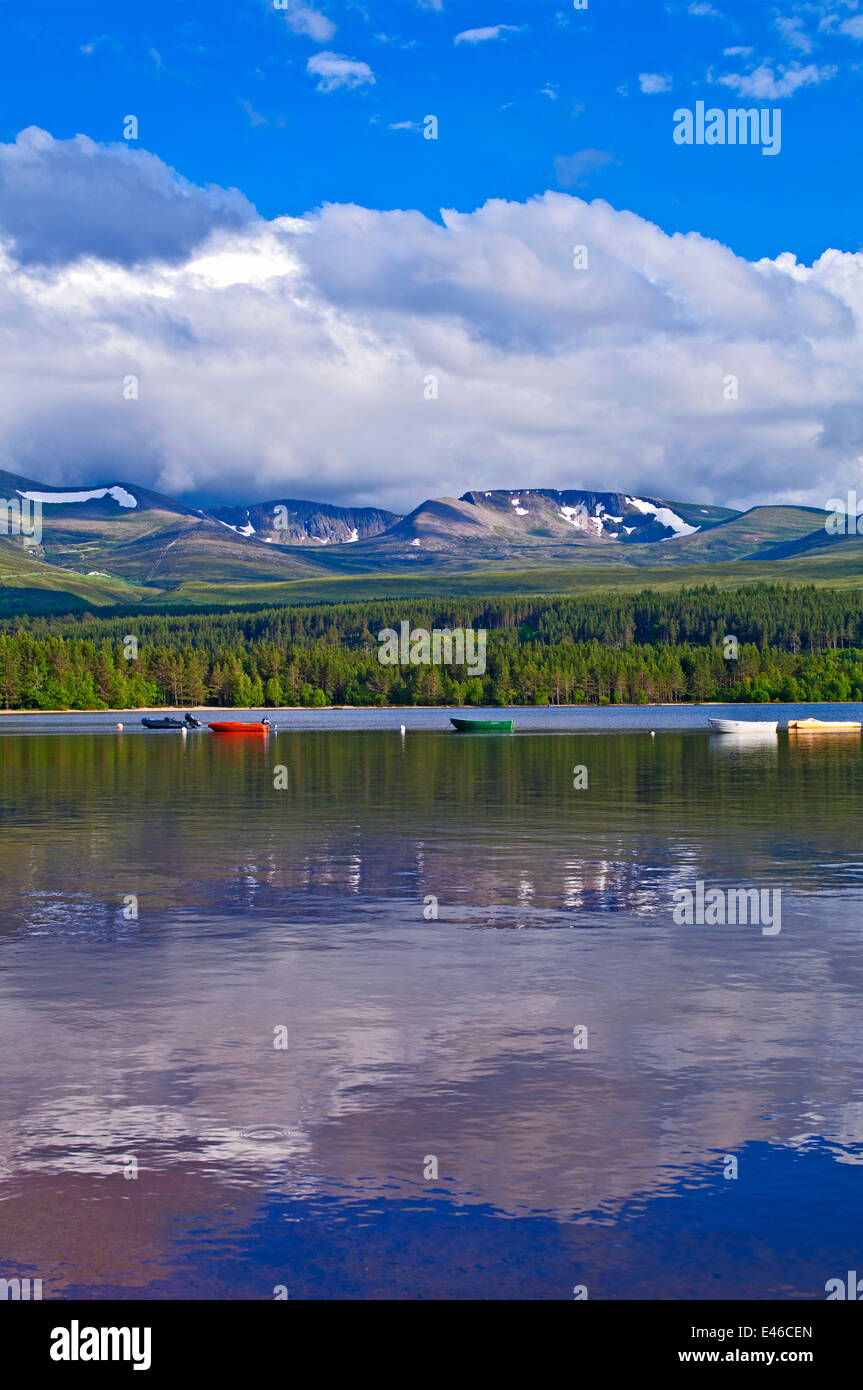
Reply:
x=235, y=727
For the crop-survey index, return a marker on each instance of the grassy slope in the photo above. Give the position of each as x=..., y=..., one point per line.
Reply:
x=747, y=536
x=32, y=585
x=179, y=555
x=28, y=585
x=830, y=570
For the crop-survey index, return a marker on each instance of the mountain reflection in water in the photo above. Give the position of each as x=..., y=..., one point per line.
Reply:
x=152, y=1036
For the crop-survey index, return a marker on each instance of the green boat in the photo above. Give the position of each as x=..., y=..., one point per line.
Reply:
x=482, y=726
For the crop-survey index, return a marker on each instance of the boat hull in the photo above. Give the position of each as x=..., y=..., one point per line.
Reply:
x=743, y=726
x=823, y=726
x=482, y=726
x=235, y=727
x=173, y=724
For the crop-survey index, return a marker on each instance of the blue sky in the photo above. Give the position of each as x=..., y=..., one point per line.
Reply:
x=317, y=301
x=223, y=94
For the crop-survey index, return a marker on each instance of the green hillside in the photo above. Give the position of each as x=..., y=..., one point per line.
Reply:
x=30, y=585
x=833, y=570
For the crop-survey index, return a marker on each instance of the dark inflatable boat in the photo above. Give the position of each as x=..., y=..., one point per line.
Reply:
x=168, y=722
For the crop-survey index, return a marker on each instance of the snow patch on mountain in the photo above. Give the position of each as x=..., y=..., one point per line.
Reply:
x=247, y=530
x=579, y=518
x=119, y=494
x=665, y=516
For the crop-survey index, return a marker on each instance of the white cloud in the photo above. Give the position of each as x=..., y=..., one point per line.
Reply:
x=63, y=199
x=304, y=20
x=103, y=41
x=255, y=117
x=701, y=9
x=334, y=71
x=652, y=82
x=492, y=31
x=395, y=41
x=288, y=357
x=853, y=27
x=574, y=170
x=765, y=84
x=791, y=29
x=739, y=52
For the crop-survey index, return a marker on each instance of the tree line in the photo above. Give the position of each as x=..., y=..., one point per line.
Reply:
x=793, y=644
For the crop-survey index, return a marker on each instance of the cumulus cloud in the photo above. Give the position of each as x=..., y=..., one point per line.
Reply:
x=767, y=85
x=491, y=31
x=652, y=82
x=289, y=357
x=334, y=71
x=304, y=20
x=61, y=199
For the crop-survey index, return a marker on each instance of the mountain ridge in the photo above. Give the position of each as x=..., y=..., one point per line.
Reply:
x=126, y=535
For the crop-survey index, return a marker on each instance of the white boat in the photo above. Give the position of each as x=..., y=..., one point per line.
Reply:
x=743, y=726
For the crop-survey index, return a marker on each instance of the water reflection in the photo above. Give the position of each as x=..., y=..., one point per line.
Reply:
x=303, y=909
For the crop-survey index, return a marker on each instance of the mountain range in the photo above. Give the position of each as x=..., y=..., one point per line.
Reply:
x=120, y=543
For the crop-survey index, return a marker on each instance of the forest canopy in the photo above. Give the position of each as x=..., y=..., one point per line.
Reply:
x=793, y=644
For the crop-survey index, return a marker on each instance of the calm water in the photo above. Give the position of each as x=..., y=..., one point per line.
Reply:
x=152, y=1038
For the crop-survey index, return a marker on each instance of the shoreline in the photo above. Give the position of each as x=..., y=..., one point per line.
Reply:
x=324, y=709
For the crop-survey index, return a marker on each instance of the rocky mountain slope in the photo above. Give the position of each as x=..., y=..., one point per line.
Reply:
x=123, y=534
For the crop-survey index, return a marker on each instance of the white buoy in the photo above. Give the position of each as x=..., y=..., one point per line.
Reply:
x=402, y=730
x=118, y=726
x=653, y=733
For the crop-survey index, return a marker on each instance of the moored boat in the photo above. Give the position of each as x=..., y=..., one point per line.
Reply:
x=482, y=726
x=824, y=726
x=228, y=726
x=167, y=721
x=743, y=726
